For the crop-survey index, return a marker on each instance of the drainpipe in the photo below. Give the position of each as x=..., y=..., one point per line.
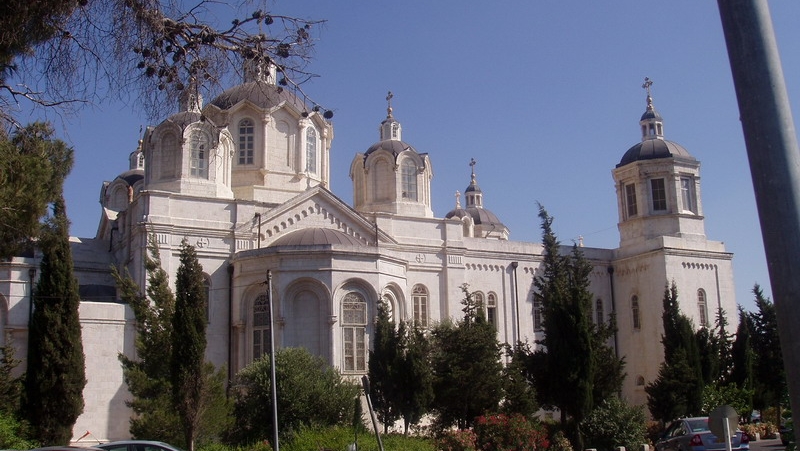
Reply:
x=258, y=215
x=516, y=299
x=230, y=324
x=610, y=270
x=32, y=276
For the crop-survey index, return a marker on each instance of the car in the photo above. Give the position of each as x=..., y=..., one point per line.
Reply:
x=67, y=448
x=693, y=434
x=138, y=445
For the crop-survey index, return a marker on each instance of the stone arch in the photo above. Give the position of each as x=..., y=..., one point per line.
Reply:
x=308, y=316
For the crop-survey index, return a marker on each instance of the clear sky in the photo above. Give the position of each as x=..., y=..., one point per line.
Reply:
x=546, y=96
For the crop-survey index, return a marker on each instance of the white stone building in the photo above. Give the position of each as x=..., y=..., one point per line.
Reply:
x=246, y=182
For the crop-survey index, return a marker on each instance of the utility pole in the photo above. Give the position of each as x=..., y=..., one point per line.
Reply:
x=273, y=382
x=771, y=142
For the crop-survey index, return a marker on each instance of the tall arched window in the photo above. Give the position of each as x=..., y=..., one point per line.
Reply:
x=354, y=330
x=635, y=314
x=246, y=141
x=419, y=297
x=311, y=150
x=491, y=309
x=169, y=155
x=537, y=311
x=409, y=180
x=261, y=327
x=198, y=164
x=600, y=315
x=702, y=306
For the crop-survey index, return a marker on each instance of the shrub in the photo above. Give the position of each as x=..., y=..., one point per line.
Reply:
x=339, y=437
x=501, y=432
x=614, y=423
x=457, y=440
x=11, y=433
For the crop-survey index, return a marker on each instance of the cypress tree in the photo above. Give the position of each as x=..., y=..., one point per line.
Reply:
x=742, y=357
x=147, y=376
x=383, y=361
x=415, y=379
x=770, y=377
x=678, y=389
x=189, y=343
x=55, y=377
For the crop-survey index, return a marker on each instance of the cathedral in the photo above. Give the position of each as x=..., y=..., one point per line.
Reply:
x=245, y=179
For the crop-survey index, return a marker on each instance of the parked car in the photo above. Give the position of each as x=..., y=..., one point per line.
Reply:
x=138, y=445
x=67, y=448
x=692, y=434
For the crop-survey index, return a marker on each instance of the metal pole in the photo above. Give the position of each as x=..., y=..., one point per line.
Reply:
x=771, y=142
x=275, y=446
x=365, y=383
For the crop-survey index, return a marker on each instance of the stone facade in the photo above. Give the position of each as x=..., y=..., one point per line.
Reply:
x=245, y=180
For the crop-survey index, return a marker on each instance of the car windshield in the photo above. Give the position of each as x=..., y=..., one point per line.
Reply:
x=698, y=424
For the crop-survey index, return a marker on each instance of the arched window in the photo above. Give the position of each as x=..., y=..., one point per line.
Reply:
x=261, y=327
x=246, y=141
x=637, y=324
x=311, y=150
x=537, y=311
x=600, y=316
x=169, y=155
x=702, y=307
x=409, y=180
x=640, y=381
x=478, y=298
x=198, y=164
x=419, y=297
x=491, y=309
x=354, y=330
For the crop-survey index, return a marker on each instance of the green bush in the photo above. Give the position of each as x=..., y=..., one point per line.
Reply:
x=338, y=438
x=11, y=433
x=614, y=423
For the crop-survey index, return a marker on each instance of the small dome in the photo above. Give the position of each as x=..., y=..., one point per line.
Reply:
x=479, y=216
x=651, y=114
x=132, y=176
x=184, y=118
x=261, y=93
x=654, y=148
x=392, y=145
x=316, y=236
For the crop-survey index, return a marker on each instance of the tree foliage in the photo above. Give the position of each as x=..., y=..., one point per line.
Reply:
x=384, y=358
x=770, y=376
x=148, y=376
x=53, y=393
x=742, y=358
x=467, y=372
x=613, y=423
x=310, y=393
x=66, y=53
x=677, y=391
x=10, y=385
x=415, y=377
x=33, y=167
x=519, y=392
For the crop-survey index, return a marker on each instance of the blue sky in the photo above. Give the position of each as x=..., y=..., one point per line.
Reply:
x=545, y=95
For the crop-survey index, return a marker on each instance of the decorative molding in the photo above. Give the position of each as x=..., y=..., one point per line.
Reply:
x=454, y=259
x=692, y=265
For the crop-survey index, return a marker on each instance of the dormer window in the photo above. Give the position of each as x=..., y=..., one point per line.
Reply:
x=198, y=164
x=246, y=141
x=409, y=180
x=311, y=150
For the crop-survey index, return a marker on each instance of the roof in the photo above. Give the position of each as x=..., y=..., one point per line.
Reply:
x=651, y=149
x=392, y=145
x=261, y=93
x=479, y=215
x=316, y=236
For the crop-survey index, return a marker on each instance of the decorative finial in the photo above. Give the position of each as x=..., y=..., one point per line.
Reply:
x=472, y=164
x=647, y=83
x=389, y=102
x=458, y=199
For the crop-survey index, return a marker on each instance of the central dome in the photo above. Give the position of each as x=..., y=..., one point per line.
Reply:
x=259, y=92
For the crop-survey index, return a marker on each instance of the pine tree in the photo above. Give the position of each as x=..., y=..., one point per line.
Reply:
x=568, y=330
x=770, y=377
x=10, y=386
x=519, y=392
x=678, y=389
x=467, y=372
x=147, y=376
x=383, y=361
x=189, y=343
x=53, y=393
x=742, y=357
x=415, y=379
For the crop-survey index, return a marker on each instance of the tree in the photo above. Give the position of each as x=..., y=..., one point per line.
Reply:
x=678, y=389
x=10, y=386
x=310, y=392
x=53, y=394
x=742, y=358
x=147, y=376
x=384, y=357
x=613, y=423
x=33, y=167
x=565, y=365
x=415, y=379
x=467, y=372
x=67, y=53
x=770, y=377
x=189, y=342
x=519, y=393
